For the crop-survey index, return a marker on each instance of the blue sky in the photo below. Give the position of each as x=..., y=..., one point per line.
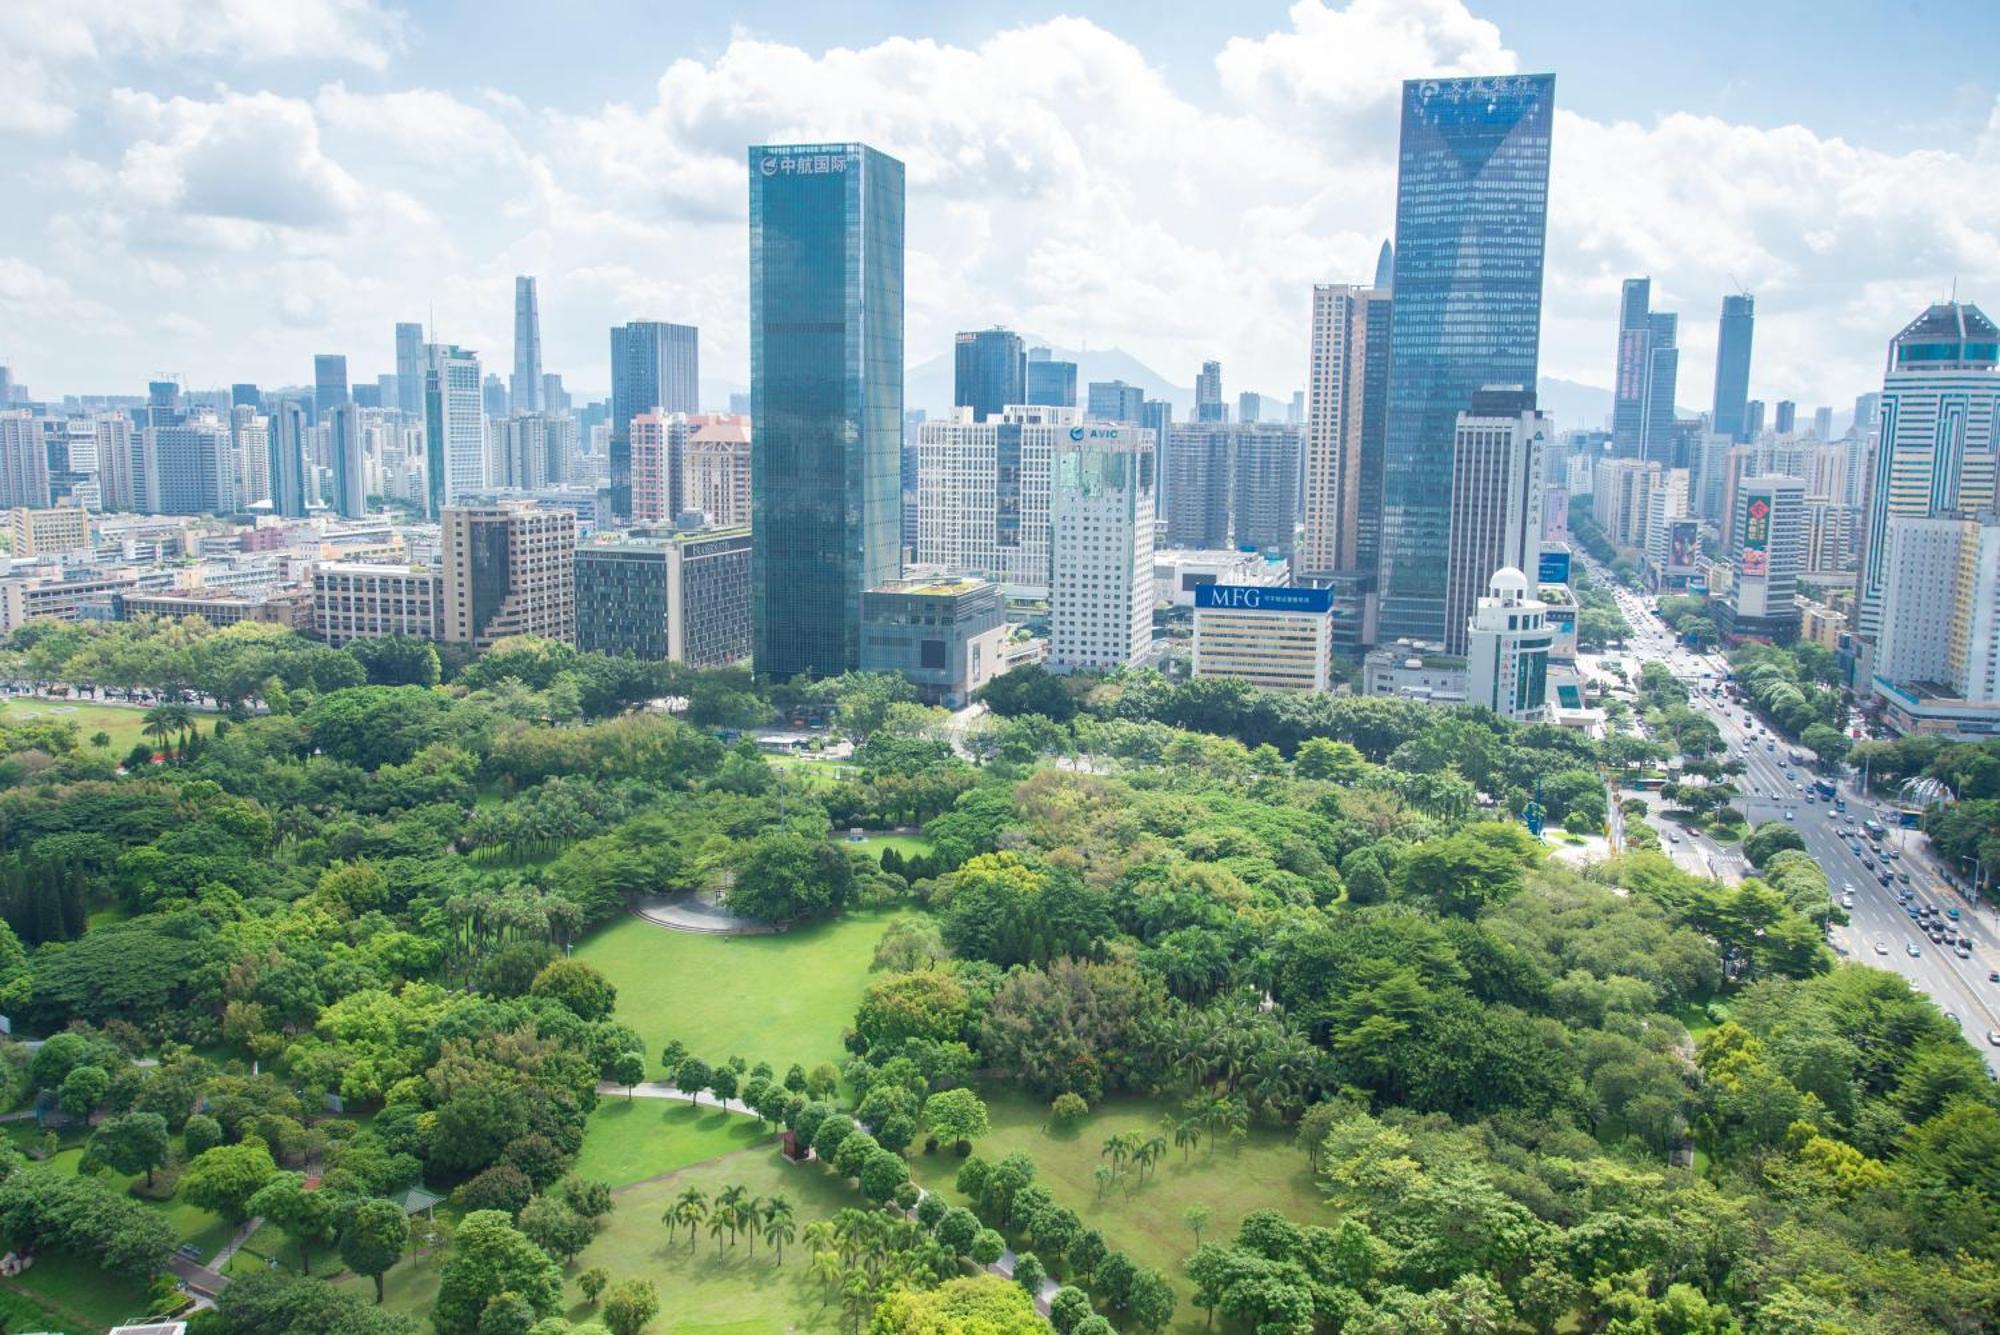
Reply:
x=221, y=188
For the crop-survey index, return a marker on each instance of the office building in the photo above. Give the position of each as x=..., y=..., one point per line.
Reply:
x=1277, y=638
x=555, y=399
x=357, y=600
x=1346, y=412
x=122, y=483
x=1496, y=499
x=1507, y=652
x=246, y=395
x=1157, y=416
x=410, y=366
x=524, y=391
x=189, y=468
x=1178, y=572
x=493, y=396
x=1115, y=401
x=1767, y=542
x=163, y=402
x=329, y=383
x=1867, y=408
x=1753, y=420
x=1051, y=384
x=1208, y=405
x=1673, y=537
x=508, y=571
x=350, y=467
x=1832, y=537
x=1937, y=657
x=1471, y=219
x=684, y=598
x=1101, y=549
x=945, y=637
x=1633, y=368
x=983, y=495
x=1786, y=421
x=826, y=391
x=530, y=451
x=289, y=466
x=1233, y=484
x=655, y=367
x=1938, y=429
x=1621, y=499
x=250, y=447
x=454, y=425
x=50, y=532
x=1735, y=332
x=1822, y=427
x=990, y=372
x=716, y=470
x=24, y=460
x=1249, y=406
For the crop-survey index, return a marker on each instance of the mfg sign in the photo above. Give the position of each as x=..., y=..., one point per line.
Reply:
x=1262, y=598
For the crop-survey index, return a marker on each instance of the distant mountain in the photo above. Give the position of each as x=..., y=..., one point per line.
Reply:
x=1574, y=407
x=927, y=384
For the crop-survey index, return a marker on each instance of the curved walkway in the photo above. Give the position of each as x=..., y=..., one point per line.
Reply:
x=660, y=1089
x=685, y=913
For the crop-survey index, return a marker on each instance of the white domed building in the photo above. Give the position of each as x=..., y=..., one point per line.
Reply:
x=1507, y=650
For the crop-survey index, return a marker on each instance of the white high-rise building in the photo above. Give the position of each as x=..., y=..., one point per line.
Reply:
x=454, y=424
x=983, y=493
x=120, y=482
x=1344, y=422
x=250, y=434
x=24, y=461
x=1938, y=430
x=1507, y=650
x=1937, y=654
x=1767, y=541
x=1496, y=499
x=1101, y=548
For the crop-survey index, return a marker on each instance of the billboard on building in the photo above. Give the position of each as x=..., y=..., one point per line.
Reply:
x=1555, y=515
x=1756, y=558
x=1263, y=598
x=1683, y=546
x=1554, y=566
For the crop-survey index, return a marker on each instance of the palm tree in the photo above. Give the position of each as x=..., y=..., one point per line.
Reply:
x=751, y=1216
x=164, y=721
x=818, y=1236
x=826, y=1269
x=778, y=1228
x=729, y=1203
x=1116, y=1148
x=1187, y=1135
x=1149, y=1154
x=720, y=1220
x=691, y=1209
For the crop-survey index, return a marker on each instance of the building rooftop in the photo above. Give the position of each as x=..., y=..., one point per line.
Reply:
x=930, y=588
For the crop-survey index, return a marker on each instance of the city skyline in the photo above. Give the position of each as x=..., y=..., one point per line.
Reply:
x=630, y=210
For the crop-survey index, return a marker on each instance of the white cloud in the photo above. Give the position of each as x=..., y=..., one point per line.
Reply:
x=1058, y=182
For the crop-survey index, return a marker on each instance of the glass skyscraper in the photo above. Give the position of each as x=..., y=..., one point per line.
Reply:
x=653, y=365
x=826, y=394
x=1732, y=367
x=990, y=372
x=1471, y=219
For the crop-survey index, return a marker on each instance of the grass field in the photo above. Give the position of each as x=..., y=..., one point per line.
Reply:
x=628, y=1140
x=909, y=845
x=701, y=1292
x=121, y=721
x=783, y=998
x=1267, y=1172
x=814, y=769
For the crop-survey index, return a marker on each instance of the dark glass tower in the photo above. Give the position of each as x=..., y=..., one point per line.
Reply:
x=1471, y=218
x=329, y=383
x=826, y=394
x=653, y=365
x=1732, y=367
x=990, y=372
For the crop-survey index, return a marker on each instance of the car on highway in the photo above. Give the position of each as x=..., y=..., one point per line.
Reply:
x=1789, y=815
x=1881, y=947
x=1952, y=913
x=1910, y=949
x=1847, y=900
x=1993, y=1037
x=1993, y=976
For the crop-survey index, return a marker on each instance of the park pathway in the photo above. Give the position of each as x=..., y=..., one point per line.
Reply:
x=660, y=1089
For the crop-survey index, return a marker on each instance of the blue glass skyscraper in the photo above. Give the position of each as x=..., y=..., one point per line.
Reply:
x=990, y=372
x=1471, y=218
x=1732, y=367
x=826, y=394
x=653, y=365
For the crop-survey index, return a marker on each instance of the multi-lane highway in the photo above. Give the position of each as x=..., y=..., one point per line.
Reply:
x=1879, y=931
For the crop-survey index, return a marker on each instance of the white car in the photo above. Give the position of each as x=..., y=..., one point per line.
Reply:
x=1881, y=947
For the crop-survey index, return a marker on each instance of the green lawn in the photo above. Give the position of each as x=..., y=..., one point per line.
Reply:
x=699, y=1290
x=1266, y=1172
x=909, y=845
x=814, y=769
x=76, y=1289
x=121, y=721
x=782, y=998
x=628, y=1140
